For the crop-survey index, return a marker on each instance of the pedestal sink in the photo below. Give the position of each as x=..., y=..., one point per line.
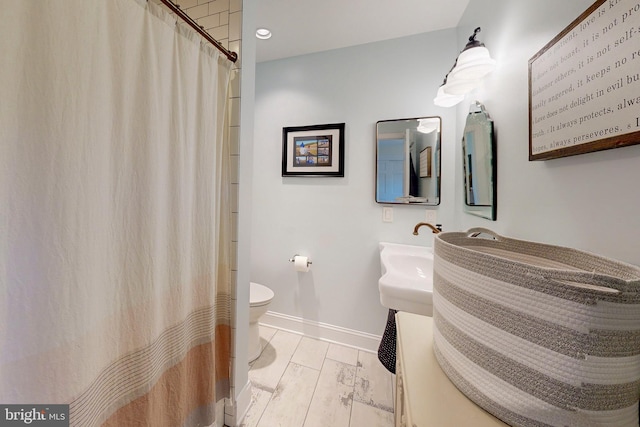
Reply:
x=406, y=283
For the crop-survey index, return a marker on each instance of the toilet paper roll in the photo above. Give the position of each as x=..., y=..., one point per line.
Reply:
x=301, y=263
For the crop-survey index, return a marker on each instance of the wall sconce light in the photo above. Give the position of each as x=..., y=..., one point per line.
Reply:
x=472, y=64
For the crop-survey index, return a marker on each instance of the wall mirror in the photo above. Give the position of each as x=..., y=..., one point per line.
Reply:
x=408, y=161
x=479, y=164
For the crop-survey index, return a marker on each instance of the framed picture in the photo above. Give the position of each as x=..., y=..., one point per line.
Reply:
x=316, y=150
x=425, y=163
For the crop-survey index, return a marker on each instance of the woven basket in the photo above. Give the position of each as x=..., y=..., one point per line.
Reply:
x=538, y=335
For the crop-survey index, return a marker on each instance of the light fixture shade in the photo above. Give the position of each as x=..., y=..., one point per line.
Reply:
x=473, y=63
x=446, y=100
x=460, y=87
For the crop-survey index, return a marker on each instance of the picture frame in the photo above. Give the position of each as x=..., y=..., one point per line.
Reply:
x=313, y=151
x=425, y=163
x=584, y=87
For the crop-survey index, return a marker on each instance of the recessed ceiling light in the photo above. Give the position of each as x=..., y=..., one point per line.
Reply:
x=263, y=33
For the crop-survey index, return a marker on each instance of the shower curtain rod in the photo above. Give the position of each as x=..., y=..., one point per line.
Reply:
x=175, y=8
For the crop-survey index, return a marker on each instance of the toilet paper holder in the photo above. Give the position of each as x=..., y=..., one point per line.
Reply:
x=293, y=259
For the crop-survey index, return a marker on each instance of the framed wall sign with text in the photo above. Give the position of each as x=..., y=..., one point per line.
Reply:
x=584, y=85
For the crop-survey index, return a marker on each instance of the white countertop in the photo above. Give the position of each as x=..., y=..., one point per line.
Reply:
x=432, y=400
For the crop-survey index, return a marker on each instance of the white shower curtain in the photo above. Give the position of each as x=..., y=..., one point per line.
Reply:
x=114, y=214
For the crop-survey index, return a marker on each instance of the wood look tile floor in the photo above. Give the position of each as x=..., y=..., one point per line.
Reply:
x=302, y=382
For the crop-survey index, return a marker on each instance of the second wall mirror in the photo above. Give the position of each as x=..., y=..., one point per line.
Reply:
x=479, y=164
x=408, y=161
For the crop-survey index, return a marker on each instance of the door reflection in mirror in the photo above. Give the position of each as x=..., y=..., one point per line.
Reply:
x=479, y=163
x=408, y=161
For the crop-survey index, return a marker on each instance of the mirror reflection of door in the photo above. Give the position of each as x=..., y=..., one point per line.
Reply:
x=390, y=169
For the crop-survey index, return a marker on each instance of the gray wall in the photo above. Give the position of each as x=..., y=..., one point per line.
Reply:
x=336, y=221
x=588, y=201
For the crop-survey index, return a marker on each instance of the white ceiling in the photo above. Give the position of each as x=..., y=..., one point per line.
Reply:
x=306, y=26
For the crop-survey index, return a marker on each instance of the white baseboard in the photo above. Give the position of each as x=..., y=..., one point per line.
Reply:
x=235, y=411
x=322, y=331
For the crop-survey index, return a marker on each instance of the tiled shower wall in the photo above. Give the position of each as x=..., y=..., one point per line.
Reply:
x=222, y=19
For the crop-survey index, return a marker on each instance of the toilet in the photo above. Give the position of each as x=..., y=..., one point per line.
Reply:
x=259, y=299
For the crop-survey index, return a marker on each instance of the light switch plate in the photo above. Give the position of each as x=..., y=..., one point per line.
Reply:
x=432, y=216
x=387, y=214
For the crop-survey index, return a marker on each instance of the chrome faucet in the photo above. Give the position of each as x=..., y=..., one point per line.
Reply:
x=435, y=230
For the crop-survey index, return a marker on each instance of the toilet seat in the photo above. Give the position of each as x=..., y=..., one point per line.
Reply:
x=259, y=295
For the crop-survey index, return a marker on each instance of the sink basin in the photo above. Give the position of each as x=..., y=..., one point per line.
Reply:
x=406, y=283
